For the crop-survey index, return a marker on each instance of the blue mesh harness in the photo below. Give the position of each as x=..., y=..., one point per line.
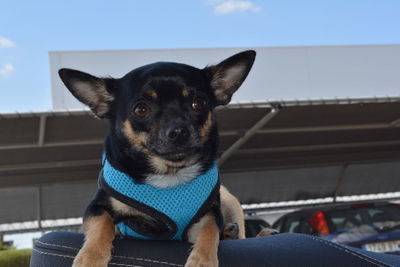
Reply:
x=178, y=207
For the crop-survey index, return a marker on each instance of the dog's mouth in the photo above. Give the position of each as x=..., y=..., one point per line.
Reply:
x=170, y=162
x=173, y=156
x=178, y=155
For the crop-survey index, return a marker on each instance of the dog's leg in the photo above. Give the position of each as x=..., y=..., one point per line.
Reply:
x=205, y=237
x=99, y=234
x=232, y=212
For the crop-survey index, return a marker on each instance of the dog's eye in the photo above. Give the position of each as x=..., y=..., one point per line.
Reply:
x=142, y=110
x=199, y=103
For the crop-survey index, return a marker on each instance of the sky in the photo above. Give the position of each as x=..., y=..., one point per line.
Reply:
x=30, y=29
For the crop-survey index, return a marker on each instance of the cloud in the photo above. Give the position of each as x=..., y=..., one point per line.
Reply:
x=4, y=42
x=229, y=7
x=7, y=69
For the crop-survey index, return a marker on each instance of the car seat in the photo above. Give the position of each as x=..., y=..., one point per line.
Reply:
x=59, y=249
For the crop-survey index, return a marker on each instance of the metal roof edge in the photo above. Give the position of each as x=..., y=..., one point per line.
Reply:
x=174, y=49
x=48, y=113
x=233, y=105
x=309, y=102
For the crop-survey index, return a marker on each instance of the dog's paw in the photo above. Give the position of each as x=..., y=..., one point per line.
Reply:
x=198, y=260
x=267, y=231
x=231, y=231
x=91, y=259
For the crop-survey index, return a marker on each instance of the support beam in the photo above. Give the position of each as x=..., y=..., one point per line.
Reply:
x=395, y=123
x=319, y=147
x=252, y=131
x=39, y=206
x=99, y=141
x=42, y=130
x=339, y=182
x=321, y=128
x=50, y=165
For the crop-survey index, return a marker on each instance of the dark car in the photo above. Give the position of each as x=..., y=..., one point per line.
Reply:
x=369, y=226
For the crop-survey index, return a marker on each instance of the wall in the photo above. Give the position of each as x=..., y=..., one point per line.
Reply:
x=279, y=72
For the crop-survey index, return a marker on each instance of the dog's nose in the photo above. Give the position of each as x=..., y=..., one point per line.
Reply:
x=178, y=133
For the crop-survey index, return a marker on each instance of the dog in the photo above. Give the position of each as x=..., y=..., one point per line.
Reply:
x=159, y=154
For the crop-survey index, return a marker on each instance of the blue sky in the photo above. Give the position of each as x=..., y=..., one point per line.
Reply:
x=29, y=29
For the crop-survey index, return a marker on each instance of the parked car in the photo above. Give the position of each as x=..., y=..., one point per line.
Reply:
x=254, y=225
x=369, y=226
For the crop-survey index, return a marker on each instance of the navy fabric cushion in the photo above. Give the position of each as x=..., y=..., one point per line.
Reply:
x=59, y=249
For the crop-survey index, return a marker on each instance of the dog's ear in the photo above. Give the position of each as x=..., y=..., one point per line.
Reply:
x=227, y=76
x=97, y=93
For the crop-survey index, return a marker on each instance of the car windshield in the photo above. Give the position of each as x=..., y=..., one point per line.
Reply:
x=373, y=218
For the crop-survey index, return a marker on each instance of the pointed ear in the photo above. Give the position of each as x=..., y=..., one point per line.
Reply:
x=97, y=93
x=227, y=76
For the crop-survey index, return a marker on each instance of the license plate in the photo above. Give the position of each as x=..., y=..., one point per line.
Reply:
x=390, y=246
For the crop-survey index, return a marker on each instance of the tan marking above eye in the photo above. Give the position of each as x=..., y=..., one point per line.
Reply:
x=152, y=94
x=185, y=93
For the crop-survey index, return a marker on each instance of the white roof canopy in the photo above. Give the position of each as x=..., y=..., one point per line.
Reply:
x=279, y=73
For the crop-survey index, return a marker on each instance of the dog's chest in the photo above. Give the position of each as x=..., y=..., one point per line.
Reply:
x=182, y=176
x=175, y=207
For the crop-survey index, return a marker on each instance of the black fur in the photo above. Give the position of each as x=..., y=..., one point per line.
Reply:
x=169, y=91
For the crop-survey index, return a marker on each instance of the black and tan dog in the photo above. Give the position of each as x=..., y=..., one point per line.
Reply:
x=163, y=138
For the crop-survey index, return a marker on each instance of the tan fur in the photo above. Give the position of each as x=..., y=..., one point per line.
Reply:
x=205, y=129
x=265, y=232
x=185, y=93
x=163, y=166
x=205, y=237
x=226, y=81
x=99, y=234
x=205, y=234
x=153, y=94
x=160, y=165
x=135, y=138
x=218, y=83
x=232, y=211
x=98, y=99
x=230, y=231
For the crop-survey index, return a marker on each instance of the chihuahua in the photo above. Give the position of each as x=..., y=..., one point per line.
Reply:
x=159, y=178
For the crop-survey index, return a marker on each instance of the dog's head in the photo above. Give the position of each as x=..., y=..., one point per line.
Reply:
x=163, y=111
